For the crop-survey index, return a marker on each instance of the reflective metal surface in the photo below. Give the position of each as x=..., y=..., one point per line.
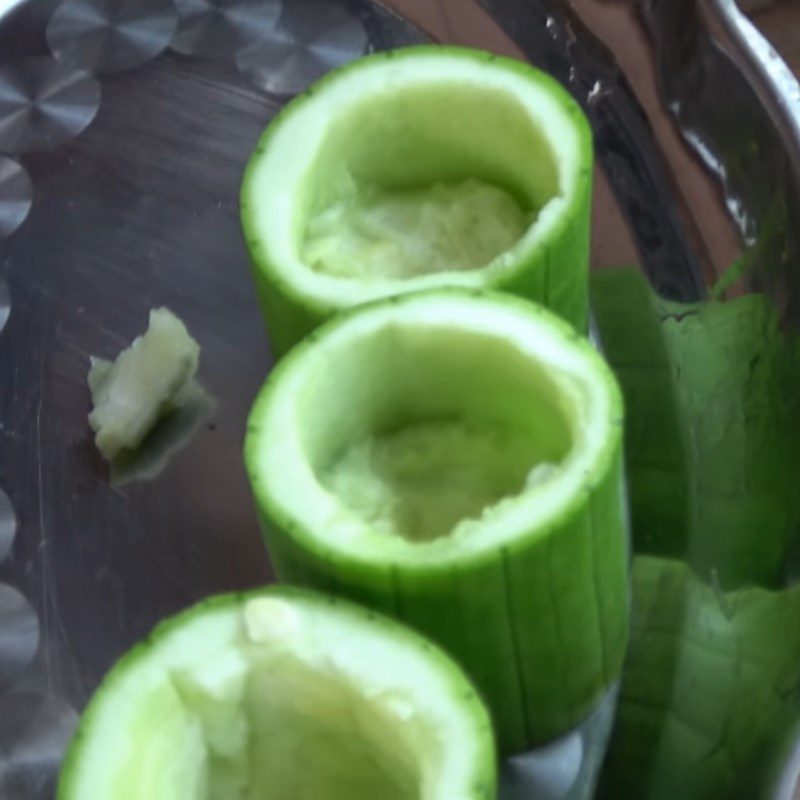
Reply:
x=8, y=525
x=5, y=309
x=219, y=28
x=110, y=35
x=124, y=129
x=44, y=103
x=15, y=195
x=307, y=41
x=35, y=731
x=19, y=635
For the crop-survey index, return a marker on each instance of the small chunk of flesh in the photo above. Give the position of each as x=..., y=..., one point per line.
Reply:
x=130, y=394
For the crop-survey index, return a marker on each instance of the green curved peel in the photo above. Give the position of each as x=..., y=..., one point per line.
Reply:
x=453, y=458
x=285, y=694
x=713, y=434
x=710, y=687
x=419, y=168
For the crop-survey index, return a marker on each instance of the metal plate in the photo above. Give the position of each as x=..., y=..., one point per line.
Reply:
x=124, y=129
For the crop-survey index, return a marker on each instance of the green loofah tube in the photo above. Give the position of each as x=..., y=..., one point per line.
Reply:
x=454, y=459
x=419, y=168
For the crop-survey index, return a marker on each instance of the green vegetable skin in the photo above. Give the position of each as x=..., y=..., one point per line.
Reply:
x=713, y=433
x=713, y=452
x=282, y=694
x=419, y=168
x=453, y=458
x=710, y=687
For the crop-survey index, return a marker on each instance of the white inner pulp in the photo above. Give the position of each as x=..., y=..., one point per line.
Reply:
x=281, y=704
x=423, y=423
x=425, y=179
x=421, y=480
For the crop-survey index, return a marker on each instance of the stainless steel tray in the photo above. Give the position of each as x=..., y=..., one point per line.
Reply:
x=124, y=129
